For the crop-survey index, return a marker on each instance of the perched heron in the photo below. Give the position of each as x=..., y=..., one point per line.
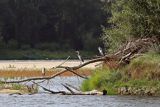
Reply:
x=100, y=51
x=43, y=71
x=79, y=57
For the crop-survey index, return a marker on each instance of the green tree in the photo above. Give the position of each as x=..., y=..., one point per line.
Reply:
x=75, y=24
x=132, y=19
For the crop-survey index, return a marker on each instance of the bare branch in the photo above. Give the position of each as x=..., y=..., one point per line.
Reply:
x=69, y=89
x=61, y=63
x=48, y=90
x=86, y=63
x=72, y=87
x=77, y=74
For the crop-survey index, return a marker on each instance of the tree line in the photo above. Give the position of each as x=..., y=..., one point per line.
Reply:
x=69, y=24
x=77, y=24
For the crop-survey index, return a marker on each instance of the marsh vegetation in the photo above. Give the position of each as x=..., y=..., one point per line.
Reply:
x=142, y=74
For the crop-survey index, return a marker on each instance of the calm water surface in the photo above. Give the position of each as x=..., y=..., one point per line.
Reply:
x=49, y=100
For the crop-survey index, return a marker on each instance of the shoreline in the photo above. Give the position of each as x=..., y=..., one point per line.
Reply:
x=140, y=77
x=39, y=64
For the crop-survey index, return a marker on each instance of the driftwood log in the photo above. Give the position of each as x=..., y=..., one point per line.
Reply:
x=71, y=91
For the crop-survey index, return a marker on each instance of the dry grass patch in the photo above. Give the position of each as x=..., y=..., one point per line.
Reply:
x=37, y=72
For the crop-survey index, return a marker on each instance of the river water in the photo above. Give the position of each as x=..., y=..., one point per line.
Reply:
x=43, y=99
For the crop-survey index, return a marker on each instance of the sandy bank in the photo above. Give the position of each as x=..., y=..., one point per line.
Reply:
x=9, y=91
x=34, y=64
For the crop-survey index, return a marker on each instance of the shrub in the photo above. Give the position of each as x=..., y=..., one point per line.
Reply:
x=101, y=79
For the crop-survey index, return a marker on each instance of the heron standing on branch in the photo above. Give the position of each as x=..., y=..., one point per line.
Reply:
x=79, y=57
x=101, y=51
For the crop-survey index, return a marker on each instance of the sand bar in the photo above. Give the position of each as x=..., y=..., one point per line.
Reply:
x=38, y=64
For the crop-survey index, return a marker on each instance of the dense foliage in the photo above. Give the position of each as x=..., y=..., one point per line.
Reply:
x=61, y=24
x=132, y=19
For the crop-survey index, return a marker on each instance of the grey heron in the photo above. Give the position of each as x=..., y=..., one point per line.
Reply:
x=100, y=51
x=79, y=57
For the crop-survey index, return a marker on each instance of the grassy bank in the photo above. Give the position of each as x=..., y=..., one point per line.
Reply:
x=141, y=76
x=34, y=54
x=17, y=89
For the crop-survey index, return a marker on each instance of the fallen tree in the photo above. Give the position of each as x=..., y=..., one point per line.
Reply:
x=71, y=91
x=122, y=56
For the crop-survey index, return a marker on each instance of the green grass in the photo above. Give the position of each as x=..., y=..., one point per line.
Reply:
x=142, y=72
x=13, y=86
x=102, y=79
x=17, y=86
x=146, y=66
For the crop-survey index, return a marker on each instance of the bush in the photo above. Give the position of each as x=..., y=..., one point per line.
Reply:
x=102, y=79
